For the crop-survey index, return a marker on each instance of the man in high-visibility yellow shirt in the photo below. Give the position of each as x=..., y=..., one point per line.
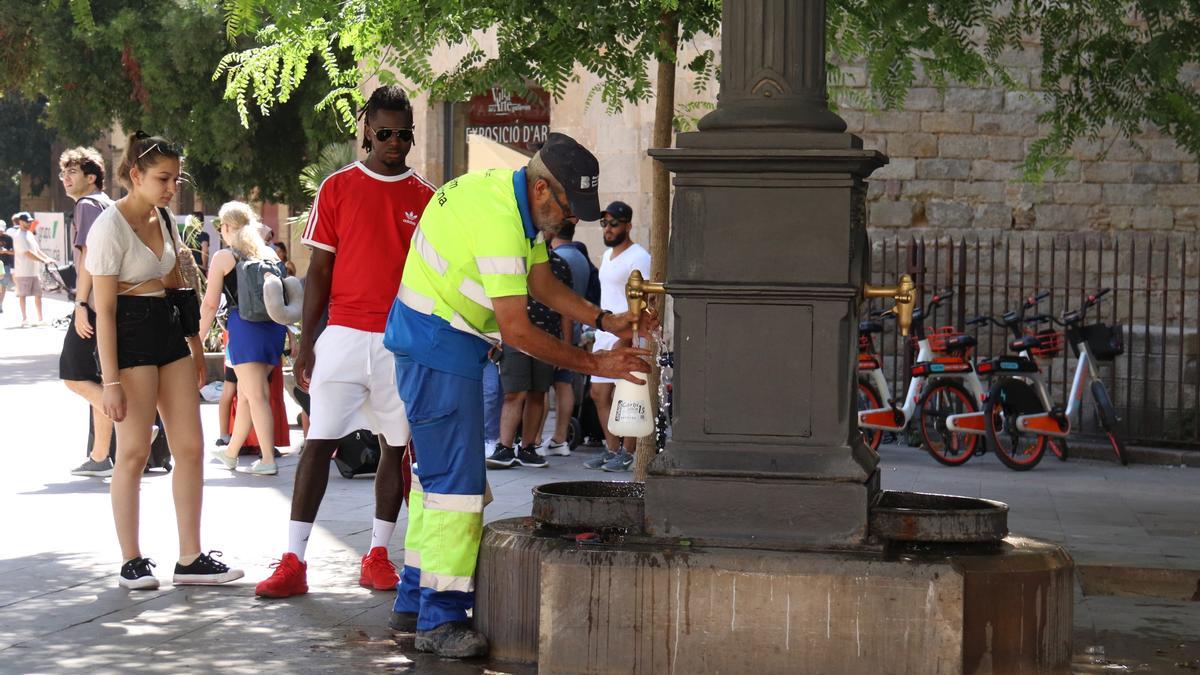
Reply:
x=476, y=255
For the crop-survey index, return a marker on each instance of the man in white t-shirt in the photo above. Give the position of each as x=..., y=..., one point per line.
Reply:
x=619, y=261
x=27, y=270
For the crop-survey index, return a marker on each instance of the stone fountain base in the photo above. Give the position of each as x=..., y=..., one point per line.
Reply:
x=624, y=603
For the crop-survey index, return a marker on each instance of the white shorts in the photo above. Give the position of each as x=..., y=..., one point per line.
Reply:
x=604, y=343
x=354, y=387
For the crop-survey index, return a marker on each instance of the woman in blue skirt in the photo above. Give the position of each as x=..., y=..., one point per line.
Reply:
x=255, y=347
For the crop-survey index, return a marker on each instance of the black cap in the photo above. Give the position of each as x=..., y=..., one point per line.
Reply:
x=620, y=210
x=576, y=169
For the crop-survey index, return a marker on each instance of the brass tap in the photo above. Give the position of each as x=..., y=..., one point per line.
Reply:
x=636, y=290
x=903, y=294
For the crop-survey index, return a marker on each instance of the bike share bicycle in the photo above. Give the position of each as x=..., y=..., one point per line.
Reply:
x=1090, y=343
x=1020, y=390
x=943, y=383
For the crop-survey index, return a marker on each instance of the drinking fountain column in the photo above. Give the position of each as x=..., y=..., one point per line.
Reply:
x=768, y=256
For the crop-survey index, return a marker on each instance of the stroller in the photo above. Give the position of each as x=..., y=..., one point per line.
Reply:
x=55, y=279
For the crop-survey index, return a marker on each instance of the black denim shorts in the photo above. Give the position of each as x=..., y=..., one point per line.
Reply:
x=148, y=332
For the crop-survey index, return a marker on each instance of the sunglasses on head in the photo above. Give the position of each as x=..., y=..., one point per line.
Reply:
x=162, y=146
x=404, y=134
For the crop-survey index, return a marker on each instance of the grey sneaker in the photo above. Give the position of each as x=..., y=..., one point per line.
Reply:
x=597, y=462
x=453, y=640
x=503, y=458
x=560, y=449
x=620, y=462
x=528, y=456
x=219, y=455
x=260, y=469
x=91, y=467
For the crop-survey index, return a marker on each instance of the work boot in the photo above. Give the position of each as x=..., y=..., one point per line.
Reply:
x=403, y=622
x=453, y=640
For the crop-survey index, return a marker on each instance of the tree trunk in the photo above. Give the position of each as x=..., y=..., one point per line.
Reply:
x=660, y=204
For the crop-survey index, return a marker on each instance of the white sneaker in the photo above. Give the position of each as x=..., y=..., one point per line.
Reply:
x=219, y=455
x=489, y=446
x=260, y=469
x=561, y=449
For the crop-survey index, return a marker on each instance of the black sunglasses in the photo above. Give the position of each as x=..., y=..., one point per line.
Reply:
x=382, y=135
x=609, y=222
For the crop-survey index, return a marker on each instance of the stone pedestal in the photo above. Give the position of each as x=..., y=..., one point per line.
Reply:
x=767, y=259
x=654, y=608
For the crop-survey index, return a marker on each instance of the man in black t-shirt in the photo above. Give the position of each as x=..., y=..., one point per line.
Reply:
x=6, y=263
x=525, y=382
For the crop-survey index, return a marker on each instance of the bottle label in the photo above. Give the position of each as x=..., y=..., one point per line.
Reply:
x=629, y=410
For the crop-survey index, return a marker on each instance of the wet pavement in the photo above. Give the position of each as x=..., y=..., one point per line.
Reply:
x=60, y=609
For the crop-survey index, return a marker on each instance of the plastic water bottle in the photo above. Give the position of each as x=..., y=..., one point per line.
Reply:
x=631, y=414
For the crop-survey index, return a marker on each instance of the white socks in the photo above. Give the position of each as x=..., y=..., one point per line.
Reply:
x=381, y=533
x=298, y=533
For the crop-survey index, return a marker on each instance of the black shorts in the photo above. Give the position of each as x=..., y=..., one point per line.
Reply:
x=77, y=363
x=148, y=332
x=521, y=372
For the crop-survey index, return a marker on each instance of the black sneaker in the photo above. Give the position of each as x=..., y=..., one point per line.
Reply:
x=403, y=622
x=205, y=571
x=528, y=456
x=136, y=575
x=503, y=457
x=453, y=640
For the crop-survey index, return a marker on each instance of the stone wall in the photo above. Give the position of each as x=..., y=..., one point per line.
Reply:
x=955, y=158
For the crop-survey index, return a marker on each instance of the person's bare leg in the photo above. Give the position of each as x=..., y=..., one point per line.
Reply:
x=602, y=395
x=133, y=446
x=312, y=477
x=510, y=416
x=179, y=406
x=241, y=428
x=532, y=419
x=37, y=305
x=223, y=408
x=389, y=482
x=631, y=444
x=21, y=302
x=252, y=380
x=564, y=406
x=102, y=426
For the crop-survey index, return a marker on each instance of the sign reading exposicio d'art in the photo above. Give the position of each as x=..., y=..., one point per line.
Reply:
x=520, y=122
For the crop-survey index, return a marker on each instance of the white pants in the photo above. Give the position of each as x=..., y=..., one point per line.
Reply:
x=354, y=387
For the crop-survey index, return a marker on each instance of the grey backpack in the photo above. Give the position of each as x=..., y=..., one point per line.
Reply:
x=251, y=275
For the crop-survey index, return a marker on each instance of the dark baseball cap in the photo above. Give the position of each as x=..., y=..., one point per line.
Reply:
x=576, y=169
x=620, y=210
x=23, y=215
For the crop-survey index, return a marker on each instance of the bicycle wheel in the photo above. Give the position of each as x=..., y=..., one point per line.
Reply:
x=868, y=399
x=1008, y=400
x=1110, y=421
x=941, y=400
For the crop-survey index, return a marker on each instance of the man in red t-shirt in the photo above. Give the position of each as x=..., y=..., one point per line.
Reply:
x=359, y=230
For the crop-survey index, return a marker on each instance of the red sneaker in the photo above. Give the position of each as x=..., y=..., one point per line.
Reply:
x=377, y=571
x=290, y=578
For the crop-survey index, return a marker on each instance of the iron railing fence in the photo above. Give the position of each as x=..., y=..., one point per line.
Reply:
x=1155, y=300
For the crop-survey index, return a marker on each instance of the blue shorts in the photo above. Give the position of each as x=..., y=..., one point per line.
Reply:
x=254, y=341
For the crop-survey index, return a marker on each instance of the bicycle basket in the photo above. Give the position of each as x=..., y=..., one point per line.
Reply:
x=1050, y=343
x=939, y=338
x=1104, y=342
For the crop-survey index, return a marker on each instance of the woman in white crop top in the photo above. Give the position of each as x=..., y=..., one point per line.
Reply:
x=144, y=360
